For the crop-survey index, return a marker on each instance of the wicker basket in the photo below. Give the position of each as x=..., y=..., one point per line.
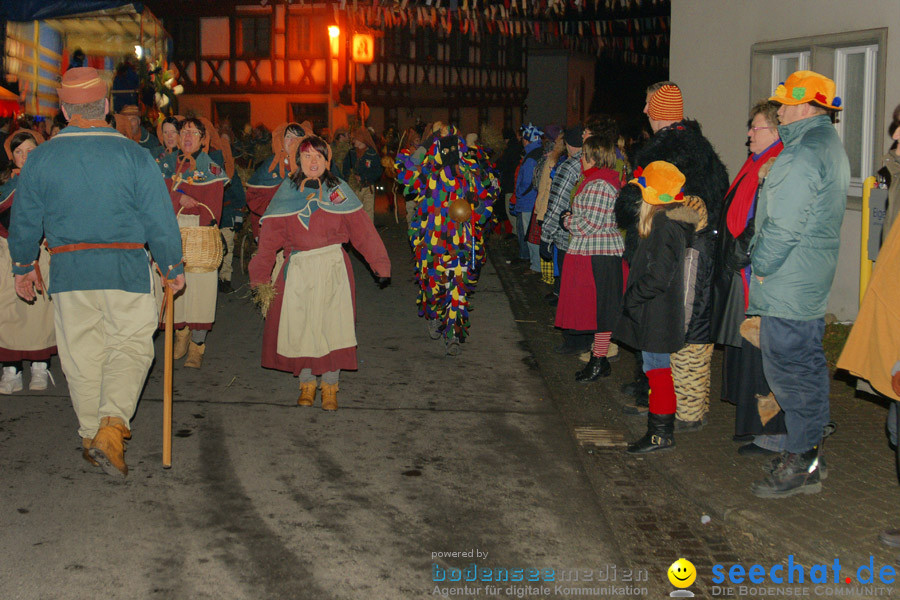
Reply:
x=201, y=246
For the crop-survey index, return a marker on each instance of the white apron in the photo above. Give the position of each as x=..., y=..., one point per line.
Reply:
x=198, y=302
x=26, y=327
x=317, y=309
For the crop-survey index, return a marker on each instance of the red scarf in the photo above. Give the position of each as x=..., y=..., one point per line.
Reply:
x=745, y=186
x=605, y=173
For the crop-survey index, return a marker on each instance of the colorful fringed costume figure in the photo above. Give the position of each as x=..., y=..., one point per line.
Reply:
x=455, y=197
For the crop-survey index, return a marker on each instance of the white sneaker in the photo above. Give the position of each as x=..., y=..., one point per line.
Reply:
x=40, y=375
x=11, y=380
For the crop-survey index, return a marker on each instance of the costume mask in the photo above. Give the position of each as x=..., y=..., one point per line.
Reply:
x=449, y=149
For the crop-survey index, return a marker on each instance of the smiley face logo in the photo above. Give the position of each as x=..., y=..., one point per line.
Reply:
x=682, y=573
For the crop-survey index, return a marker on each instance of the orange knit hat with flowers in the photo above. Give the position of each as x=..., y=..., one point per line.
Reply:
x=660, y=183
x=666, y=104
x=807, y=86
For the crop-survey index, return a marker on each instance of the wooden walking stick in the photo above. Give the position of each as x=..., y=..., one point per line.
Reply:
x=167, y=376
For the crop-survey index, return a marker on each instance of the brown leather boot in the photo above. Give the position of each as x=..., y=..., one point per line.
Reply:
x=85, y=446
x=108, y=446
x=182, y=340
x=329, y=396
x=307, y=393
x=195, y=355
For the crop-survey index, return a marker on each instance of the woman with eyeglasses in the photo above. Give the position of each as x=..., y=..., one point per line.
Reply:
x=743, y=377
x=196, y=185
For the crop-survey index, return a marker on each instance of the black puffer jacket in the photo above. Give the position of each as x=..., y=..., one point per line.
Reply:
x=683, y=145
x=653, y=309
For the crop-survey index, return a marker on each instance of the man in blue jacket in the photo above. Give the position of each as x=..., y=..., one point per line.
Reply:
x=99, y=199
x=794, y=257
x=526, y=194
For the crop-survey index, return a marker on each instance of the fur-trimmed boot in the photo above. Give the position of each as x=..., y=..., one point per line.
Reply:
x=307, y=393
x=661, y=418
x=329, y=396
x=195, y=353
x=108, y=446
x=182, y=341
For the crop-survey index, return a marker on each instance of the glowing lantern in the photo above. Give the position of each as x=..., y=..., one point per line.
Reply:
x=363, y=48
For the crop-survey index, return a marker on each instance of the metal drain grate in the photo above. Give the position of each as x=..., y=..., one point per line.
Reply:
x=601, y=438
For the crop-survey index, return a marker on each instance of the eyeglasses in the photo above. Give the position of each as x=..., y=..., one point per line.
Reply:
x=190, y=132
x=758, y=128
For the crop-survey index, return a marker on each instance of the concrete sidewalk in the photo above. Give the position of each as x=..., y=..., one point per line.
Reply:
x=704, y=475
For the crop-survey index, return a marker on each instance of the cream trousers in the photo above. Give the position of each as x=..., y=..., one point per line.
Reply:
x=105, y=341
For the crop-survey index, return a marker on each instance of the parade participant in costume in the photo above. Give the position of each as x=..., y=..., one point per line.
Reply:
x=27, y=332
x=340, y=146
x=655, y=314
x=104, y=310
x=196, y=185
x=233, y=202
x=447, y=233
x=167, y=133
x=273, y=171
x=590, y=298
x=309, y=328
x=408, y=143
x=362, y=168
x=128, y=123
x=680, y=142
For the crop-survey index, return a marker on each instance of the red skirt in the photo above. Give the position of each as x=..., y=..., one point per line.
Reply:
x=534, y=230
x=590, y=294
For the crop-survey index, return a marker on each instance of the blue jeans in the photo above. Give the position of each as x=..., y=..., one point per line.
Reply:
x=534, y=255
x=523, y=219
x=654, y=360
x=797, y=372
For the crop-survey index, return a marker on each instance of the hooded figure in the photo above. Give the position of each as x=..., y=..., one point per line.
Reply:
x=362, y=168
x=264, y=182
x=455, y=198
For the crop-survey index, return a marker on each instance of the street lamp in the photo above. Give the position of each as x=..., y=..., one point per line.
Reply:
x=334, y=37
x=334, y=42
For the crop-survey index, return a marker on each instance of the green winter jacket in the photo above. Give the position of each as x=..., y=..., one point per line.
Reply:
x=798, y=223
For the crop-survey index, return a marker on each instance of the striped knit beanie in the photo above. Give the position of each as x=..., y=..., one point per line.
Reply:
x=666, y=104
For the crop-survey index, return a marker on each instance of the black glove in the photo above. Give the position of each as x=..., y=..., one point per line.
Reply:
x=562, y=219
x=383, y=282
x=546, y=251
x=739, y=257
x=540, y=223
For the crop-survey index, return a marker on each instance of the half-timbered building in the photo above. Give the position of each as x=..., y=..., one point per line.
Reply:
x=272, y=60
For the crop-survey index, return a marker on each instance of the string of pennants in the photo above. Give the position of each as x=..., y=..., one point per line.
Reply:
x=576, y=25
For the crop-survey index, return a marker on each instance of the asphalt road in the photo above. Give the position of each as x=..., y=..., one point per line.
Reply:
x=266, y=500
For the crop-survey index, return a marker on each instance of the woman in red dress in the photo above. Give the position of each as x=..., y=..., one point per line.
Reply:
x=310, y=329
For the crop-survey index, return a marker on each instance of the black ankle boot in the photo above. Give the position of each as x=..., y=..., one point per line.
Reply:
x=596, y=368
x=639, y=388
x=794, y=474
x=660, y=435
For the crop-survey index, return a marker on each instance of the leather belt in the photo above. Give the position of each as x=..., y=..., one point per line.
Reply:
x=98, y=246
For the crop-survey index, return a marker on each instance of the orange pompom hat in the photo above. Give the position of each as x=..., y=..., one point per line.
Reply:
x=660, y=183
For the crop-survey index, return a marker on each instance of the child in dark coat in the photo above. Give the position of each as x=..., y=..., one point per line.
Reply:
x=655, y=310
